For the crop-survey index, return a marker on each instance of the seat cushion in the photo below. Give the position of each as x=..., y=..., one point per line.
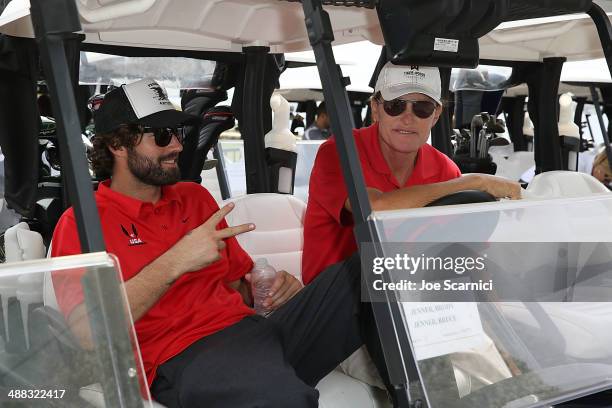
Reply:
x=584, y=327
x=93, y=394
x=21, y=244
x=560, y=183
x=279, y=238
x=272, y=211
x=278, y=235
x=338, y=390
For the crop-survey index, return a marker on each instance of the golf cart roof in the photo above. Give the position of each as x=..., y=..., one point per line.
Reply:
x=196, y=26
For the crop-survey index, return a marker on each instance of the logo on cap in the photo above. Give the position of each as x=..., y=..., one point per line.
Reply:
x=159, y=92
x=133, y=236
x=414, y=73
x=413, y=67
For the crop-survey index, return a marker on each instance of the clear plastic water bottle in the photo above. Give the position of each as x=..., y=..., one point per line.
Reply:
x=262, y=278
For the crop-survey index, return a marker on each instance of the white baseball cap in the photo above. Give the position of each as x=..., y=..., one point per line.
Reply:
x=397, y=80
x=142, y=102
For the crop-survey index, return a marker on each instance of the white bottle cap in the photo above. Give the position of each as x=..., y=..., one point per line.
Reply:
x=261, y=263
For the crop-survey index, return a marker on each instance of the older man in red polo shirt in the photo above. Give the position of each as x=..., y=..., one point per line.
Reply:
x=185, y=275
x=400, y=169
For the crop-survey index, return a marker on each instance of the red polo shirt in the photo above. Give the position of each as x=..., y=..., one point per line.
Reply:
x=197, y=304
x=328, y=226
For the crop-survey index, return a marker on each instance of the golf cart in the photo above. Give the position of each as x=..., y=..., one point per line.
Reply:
x=437, y=33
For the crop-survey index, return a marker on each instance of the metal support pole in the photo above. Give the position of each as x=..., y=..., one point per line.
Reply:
x=604, y=30
x=54, y=21
x=251, y=125
x=588, y=122
x=441, y=132
x=602, y=126
x=580, y=102
x=514, y=108
x=397, y=349
x=543, y=86
x=221, y=174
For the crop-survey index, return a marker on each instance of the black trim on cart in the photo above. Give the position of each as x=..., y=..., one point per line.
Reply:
x=55, y=21
x=398, y=354
x=604, y=131
x=221, y=174
x=543, y=84
x=252, y=125
x=441, y=132
x=514, y=107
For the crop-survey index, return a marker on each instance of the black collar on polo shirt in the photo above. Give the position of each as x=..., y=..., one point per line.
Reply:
x=132, y=206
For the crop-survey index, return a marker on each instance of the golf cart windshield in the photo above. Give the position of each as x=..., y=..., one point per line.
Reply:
x=483, y=78
x=174, y=72
x=544, y=318
x=62, y=373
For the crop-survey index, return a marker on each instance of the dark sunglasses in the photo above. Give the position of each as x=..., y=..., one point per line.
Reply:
x=163, y=136
x=395, y=107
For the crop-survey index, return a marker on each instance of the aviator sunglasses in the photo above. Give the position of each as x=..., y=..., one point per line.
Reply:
x=163, y=136
x=395, y=107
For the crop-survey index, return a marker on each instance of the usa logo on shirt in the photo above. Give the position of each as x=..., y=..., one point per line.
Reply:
x=133, y=236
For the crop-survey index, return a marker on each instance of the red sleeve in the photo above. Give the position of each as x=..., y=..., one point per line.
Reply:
x=240, y=262
x=450, y=169
x=454, y=171
x=67, y=283
x=327, y=186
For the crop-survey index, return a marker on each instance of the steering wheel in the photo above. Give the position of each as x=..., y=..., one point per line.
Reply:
x=463, y=197
x=451, y=227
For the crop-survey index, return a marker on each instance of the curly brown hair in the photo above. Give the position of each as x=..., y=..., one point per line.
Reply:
x=102, y=160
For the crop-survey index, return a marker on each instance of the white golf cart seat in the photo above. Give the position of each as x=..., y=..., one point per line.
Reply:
x=561, y=183
x=21, y=244
x=584, y=327
x=278, y=236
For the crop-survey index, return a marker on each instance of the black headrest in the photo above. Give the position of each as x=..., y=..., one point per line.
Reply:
x=195, y=101
x=215, y=121
x=218, y=115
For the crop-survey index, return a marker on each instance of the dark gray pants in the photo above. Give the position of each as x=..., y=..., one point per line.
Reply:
x=273, y=362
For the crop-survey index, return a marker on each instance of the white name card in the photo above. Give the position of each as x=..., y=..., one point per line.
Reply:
x=438, y=328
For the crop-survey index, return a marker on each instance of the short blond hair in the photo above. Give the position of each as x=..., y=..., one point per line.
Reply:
x=602, y=160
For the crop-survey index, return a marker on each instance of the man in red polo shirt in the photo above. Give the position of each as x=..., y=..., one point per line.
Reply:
x=400, y=169
x=184, y=275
